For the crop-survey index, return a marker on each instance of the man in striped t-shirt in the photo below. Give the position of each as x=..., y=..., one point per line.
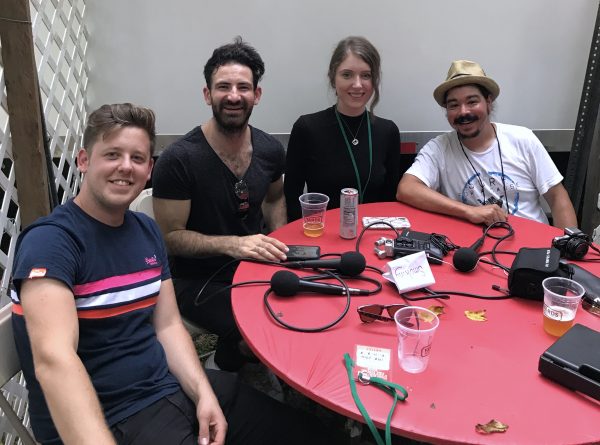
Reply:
x=102, y=346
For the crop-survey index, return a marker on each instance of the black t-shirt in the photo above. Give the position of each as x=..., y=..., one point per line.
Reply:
x=317, y=156
x=190, y=169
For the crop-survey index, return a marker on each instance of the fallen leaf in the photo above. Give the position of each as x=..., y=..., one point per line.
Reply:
x=437, y=310
x=493, y=426
x=476, y=315
x=424, y=316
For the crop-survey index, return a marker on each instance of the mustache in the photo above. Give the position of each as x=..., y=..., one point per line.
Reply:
x=465, y=119
x=240, y=103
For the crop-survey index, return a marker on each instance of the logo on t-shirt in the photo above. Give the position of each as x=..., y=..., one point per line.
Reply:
x=472, y=193
x=37, y=272
x=151, y=261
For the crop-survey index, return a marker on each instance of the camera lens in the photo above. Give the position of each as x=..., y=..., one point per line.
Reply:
x=577, y=248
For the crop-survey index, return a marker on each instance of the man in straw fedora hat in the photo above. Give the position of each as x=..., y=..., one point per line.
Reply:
x=483, y=171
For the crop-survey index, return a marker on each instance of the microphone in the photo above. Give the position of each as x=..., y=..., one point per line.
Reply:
x=349, y=263
x=465, y=259
x=287, y=284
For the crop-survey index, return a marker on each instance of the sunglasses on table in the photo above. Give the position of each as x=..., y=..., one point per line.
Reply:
x=242, y=194
x=371, y=312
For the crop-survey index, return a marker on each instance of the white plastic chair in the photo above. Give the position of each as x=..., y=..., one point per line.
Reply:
x=143, y=203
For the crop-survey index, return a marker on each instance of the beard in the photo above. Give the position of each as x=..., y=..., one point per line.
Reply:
x=231, y=124
x=469, y=135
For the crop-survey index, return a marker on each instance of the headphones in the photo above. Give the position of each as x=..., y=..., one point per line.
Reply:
x=574, y=244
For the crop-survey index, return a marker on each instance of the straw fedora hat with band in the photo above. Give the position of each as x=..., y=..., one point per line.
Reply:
x=465, y=72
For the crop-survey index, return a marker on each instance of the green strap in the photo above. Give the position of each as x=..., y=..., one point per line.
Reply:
x=390, y=387
x=361, y=190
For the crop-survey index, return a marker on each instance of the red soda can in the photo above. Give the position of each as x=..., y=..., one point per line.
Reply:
x=348, y=213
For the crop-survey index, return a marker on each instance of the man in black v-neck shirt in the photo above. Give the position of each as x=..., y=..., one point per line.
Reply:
x=217, y=191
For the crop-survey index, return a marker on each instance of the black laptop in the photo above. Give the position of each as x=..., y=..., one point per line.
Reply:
x=574, y=361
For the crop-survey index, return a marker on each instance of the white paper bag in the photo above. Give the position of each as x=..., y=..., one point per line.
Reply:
x=409, y=272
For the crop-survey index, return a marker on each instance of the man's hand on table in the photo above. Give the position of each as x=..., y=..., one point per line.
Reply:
x=260, y=247
x=487, y=214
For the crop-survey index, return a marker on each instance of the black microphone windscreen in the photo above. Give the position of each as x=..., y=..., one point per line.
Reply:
x=285, y=283
x=465, y=259
x=352, y=263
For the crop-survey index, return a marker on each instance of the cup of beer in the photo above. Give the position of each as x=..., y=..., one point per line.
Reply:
x=313, y=206
x=561, y=300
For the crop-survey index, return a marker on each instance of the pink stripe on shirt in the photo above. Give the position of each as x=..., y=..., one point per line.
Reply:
x=116, y=281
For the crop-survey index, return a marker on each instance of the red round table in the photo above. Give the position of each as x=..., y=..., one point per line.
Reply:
x=478, y=371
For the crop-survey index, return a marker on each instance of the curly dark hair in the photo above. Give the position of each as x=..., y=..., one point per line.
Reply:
x=237, y=52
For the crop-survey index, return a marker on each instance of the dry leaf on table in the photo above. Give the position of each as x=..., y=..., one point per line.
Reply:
x=437, y=310
x=493, y=426
x=476, y=315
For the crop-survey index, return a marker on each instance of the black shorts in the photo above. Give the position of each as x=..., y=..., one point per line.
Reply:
x=253, y=419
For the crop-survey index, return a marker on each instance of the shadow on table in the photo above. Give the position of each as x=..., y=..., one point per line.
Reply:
x=348, y=431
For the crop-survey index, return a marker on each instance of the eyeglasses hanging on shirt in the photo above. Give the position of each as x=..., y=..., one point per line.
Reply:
x=242, y=194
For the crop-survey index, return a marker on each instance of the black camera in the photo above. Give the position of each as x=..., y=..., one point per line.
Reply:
x=574, y=244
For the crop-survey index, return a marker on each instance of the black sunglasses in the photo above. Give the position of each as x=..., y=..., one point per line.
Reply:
x=371, y=312
x=243, y=196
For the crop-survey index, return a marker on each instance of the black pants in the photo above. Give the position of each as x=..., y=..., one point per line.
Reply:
x=252, y=417
x=215, y=314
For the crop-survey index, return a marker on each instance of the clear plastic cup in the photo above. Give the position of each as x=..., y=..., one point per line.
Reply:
x=313, y=207
x=561, y=300
x=416, y=327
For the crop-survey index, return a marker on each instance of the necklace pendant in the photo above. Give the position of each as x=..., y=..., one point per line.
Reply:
x=355, y=142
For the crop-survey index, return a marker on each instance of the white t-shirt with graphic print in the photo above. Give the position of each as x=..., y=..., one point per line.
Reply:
x=528, y=171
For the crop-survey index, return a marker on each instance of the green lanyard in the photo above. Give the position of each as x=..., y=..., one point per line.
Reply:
x=361, y=190
x=390, y=387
